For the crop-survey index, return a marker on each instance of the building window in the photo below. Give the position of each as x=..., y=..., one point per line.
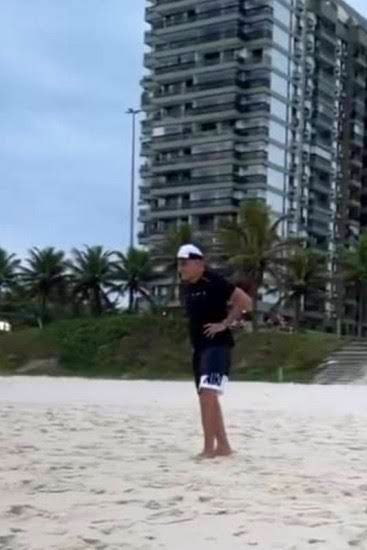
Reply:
x=278, y=109
x=211, y=58
x=279, y=61
x=279, y=85
x=277, y=132
x=276, y=179
x=281, y=13
x=276, y=155
x=275, y=201
x=208, y=127
x=280, y=37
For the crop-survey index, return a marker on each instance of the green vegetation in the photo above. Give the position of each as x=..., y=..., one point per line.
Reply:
x=156, y=347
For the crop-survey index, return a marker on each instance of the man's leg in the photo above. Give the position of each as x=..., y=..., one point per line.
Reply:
x=213, y=362
x=208, y=406
x=223, y=447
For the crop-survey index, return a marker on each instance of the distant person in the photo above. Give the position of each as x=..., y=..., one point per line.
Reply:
x=212, y=305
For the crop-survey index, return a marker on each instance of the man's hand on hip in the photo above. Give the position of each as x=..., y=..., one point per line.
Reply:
x=211, y=329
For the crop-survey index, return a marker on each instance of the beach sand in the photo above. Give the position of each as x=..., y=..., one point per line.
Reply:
x=108, y=465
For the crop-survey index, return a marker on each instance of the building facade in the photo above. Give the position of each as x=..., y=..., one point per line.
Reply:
x=256, y=99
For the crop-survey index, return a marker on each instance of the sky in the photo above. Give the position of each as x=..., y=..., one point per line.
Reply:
x=69, y=69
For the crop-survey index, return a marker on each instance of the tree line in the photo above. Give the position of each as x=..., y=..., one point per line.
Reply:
x=48, y=284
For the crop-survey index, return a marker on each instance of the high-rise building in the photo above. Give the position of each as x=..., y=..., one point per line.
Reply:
x=256, y=98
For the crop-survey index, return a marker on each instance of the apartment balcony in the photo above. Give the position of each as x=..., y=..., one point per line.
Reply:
x=143, y=237
x=331, y=38
x=145, y=148
x=252, y=62
x=181, y=138
x=146, y=236
x=315, y=228
x=146, y=100
x=361, y=60
x=143, y=216
x=203, y=206
x=163, y=71
x=320, y=186
x=181, y=90
x=359, y=106
x=193, y=159
x=325, y=86
x=356, y=161
x=145, y=169
x=355, y=183
x=175, y=67
x=355, y=217
x=146, y=128
x=147, y=83
x=181, y=162
x=319, y=213
x=148, y=38
x=321, y=122
x=321, y=163
x=177, y=184
x=325, y=56
x=150, y=14
x=148, y=61
x=354, y=202
x=184, y=20
x=323, y=92
x=235, y=36
x=202, y=39
x=356, y=138
x=167, y=2
x=227, y=108
x=144, y=194
x=360, y=82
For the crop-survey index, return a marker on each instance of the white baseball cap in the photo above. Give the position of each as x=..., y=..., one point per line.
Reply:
x=189, y=252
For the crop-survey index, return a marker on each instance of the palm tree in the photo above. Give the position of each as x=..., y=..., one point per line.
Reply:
x=91, y=272
x=130, y=272
x=305, y=274
x=254, y=247
x=9, y=270
x=354, y=264
x=45, y=274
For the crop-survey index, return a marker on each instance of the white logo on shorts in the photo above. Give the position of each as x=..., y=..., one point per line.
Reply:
x=213, y=381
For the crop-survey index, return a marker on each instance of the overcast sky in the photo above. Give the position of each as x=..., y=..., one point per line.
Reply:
x=68, y=71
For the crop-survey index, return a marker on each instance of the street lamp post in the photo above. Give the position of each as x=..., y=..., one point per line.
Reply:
x=133, y=113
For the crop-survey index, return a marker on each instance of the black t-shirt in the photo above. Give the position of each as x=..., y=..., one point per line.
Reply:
x=207, y=302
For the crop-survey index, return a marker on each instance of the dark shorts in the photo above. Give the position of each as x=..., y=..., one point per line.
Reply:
x=212, y=367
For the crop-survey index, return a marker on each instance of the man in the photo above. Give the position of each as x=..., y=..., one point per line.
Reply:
x=207, y=297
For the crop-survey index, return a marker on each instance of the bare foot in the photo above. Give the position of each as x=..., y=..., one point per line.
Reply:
x=225, y=451
x=204, y=455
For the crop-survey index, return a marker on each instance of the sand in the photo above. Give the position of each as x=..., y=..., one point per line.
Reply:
x=109, y=465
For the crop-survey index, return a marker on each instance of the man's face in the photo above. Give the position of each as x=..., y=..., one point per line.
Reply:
x=190, y=270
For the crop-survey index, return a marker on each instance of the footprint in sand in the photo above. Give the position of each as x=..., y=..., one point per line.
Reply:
x=153, y=505
x=19, y=509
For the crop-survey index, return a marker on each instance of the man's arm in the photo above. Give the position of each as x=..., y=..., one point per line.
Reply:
x=240, y=302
